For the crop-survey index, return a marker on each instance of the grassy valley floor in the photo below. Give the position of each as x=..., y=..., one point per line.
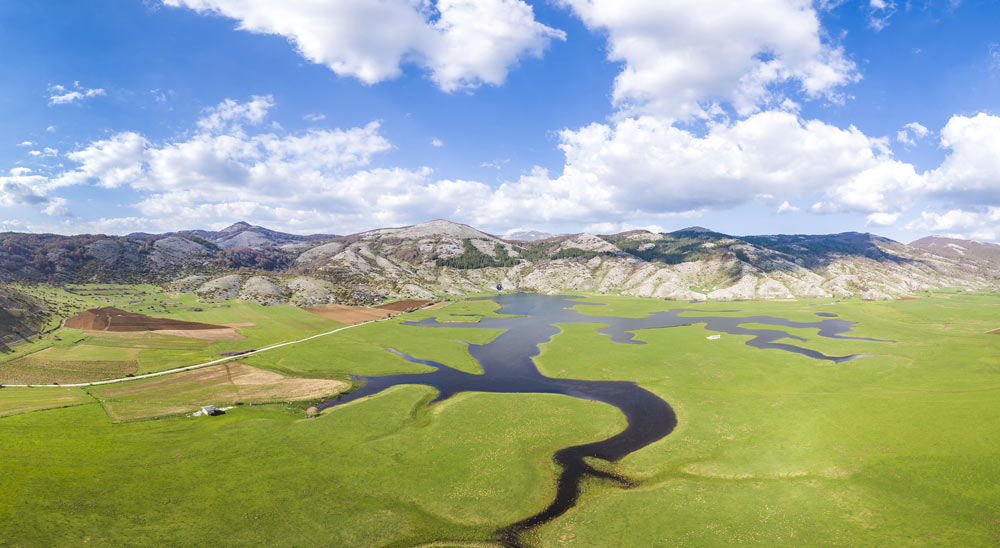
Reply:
x=772, y=448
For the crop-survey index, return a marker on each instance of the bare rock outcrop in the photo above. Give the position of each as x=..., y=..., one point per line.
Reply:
x=174, y=250
x=220, y=289
x=308, y=291
x=187, y=283
x=264, y=290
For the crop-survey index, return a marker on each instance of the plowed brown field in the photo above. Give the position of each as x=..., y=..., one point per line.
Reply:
x=110, y=318
x=404, y=306
x=348, y=314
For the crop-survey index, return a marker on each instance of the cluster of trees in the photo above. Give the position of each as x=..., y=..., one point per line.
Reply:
x=264, y=258
x=472, y=258
x=669, y=249
x=31, y=252
x=821, y=249
x=542, y=250
x=54, y=258
x=577, y=253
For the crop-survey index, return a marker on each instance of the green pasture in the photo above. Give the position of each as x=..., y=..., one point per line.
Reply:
x=384, y=472
x=776, y=449
x=771, y=449
x=364, y=350
x=14, y=401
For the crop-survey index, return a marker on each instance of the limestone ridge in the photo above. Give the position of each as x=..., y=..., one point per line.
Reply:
x=241, y=234
x=441, y=259
x=959, y=249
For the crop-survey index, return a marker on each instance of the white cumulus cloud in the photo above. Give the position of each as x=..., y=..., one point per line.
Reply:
x=970, y=174
x=879, y=13
x=635, y=171
x=109, y=162
x=682, y=56
x=61, y=95
x=786, y=207
x=20, y=188
x=976, y=225
x=320, y=178
x=462, y=43
x=648, y=167
x=56, y=207
x=231, y=114
x=882, y=219
x=46, y=152
x=911, y=133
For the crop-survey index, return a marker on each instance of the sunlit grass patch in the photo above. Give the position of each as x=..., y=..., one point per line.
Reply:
x=22, y=400
x=220, y=385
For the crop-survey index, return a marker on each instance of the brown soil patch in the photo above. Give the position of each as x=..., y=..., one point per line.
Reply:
x=906, y=299
x=240, y=324
x=404, y=306
x=437, y=306
x=348, y=314
x=220, y=334
x=110, y=318
x=994, y=332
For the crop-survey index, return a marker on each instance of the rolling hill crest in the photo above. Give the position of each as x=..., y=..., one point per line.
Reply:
x=441, y=258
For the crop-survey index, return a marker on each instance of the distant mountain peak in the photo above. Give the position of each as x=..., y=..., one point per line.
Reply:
x=437, y=258
x=237, y=227
x=956, y=248
x=527, y=235
x=437, y=227
x=695, y=229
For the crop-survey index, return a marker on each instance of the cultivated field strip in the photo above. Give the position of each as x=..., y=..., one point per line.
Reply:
x=198, y=365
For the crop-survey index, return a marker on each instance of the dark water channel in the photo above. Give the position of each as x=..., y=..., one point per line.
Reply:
x=508, y=368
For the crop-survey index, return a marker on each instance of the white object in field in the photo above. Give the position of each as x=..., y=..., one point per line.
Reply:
x=713, y=337
x=208, y=410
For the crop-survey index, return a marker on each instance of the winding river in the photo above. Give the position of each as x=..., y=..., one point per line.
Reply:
x=508, y=367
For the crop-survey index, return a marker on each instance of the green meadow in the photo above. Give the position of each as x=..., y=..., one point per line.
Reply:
x=771, y=449
x=383, y=472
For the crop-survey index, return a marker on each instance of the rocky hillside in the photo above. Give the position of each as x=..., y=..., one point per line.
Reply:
x=21, y=316
x=24, y=314
x=441, y=258
x=959, y=249
x=144, y=257
x=242, y=234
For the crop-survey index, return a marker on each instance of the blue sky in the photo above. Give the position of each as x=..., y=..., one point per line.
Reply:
x=598, y=115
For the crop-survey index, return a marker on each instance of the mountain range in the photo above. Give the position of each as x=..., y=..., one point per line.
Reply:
x=441, y=258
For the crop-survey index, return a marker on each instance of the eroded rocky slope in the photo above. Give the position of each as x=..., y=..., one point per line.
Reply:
x=440, y=259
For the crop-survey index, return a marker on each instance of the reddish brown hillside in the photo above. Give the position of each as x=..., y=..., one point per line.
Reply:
x=110, y=318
